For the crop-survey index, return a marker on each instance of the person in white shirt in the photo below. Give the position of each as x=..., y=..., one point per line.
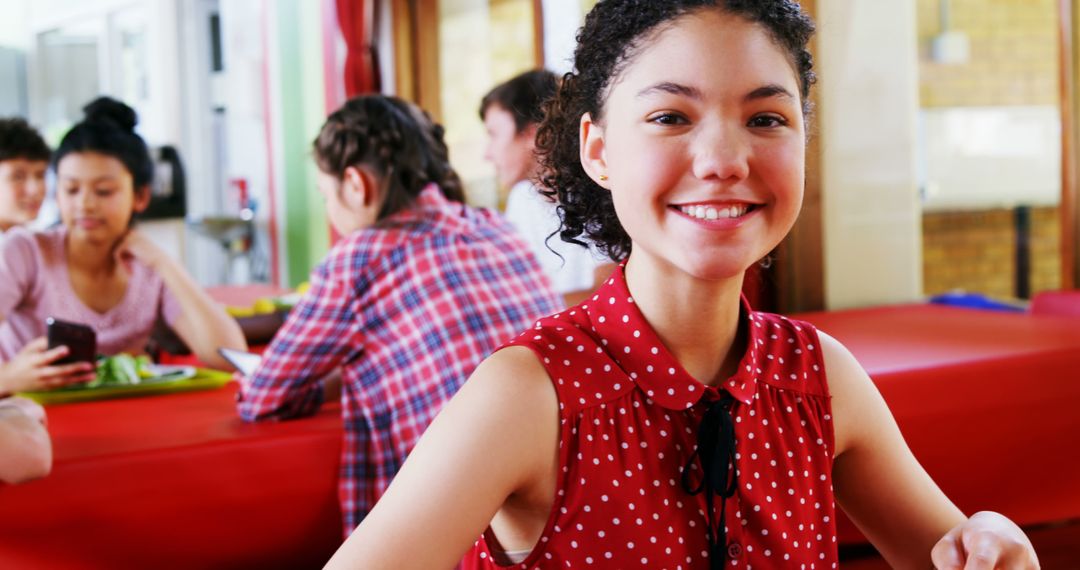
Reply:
x=511, y=113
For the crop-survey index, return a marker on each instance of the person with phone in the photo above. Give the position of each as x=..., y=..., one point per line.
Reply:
x=419, y=289
x=97, y=268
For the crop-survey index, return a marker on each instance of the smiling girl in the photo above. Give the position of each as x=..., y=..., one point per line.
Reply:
x=663, y=423
x=96, y=268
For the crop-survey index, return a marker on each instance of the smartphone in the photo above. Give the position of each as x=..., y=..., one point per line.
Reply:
x=245, y=362
x=80, y=339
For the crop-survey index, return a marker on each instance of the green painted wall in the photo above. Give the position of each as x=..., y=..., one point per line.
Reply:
x=302, y=113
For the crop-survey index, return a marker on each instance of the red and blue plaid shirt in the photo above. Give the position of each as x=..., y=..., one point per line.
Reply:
x=406, y=309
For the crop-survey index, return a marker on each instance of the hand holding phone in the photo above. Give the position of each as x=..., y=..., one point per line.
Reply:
x=36, y=367
x=80, y=340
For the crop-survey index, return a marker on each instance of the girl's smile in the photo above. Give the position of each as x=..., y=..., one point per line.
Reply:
x=705, y=169
x=717, y=214
x=88, y=223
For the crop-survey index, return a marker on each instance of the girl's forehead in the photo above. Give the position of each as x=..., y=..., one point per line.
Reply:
x=91, y=165
x=707, y=46
x=76, y=162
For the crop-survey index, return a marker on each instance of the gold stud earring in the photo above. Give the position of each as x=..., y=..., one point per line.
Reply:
x=603, y=178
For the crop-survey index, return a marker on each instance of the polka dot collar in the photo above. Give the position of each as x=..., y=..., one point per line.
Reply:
x=631, y=342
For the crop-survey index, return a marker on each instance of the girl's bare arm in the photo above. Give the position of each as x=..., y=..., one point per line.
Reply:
x=496, y=437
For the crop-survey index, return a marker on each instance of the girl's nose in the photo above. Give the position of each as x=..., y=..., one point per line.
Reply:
x=721, y=153
x=85, y=199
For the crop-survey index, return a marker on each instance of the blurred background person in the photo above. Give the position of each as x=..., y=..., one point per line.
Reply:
x=417, y=292
x=97, y=269
x=511, y=113
x=24, y=159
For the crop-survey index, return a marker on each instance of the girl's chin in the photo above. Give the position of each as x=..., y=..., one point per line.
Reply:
x=716, y=273
x=710, y=269
x=718, y=268
x=97, y=234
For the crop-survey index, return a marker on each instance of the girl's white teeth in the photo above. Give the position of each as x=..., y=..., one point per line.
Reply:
x=711, y=213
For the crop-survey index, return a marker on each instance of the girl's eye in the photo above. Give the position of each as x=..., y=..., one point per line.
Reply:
x=767, y=121
x=103, y=191
x=668, y=119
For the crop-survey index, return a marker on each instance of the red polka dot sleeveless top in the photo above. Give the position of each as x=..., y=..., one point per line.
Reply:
x=629, y=420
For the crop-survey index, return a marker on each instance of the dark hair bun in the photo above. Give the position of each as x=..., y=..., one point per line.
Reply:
x=109, y=110
x=109, y=129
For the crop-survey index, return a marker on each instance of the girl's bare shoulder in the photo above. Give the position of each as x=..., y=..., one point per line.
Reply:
x=514, y=380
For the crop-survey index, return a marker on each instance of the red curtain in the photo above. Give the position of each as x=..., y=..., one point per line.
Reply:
x=356, y=19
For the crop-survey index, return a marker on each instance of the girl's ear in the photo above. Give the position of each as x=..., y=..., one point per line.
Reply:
x=593, y=155
x=142, y=199
x=359, y=186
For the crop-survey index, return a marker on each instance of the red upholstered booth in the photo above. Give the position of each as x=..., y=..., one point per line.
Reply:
x=1062, y=303
x=987, y=402
x=177, y=481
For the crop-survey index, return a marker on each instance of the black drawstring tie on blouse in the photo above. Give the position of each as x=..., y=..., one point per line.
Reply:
x=716, y=449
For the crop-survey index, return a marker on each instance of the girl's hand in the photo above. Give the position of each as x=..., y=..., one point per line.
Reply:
x=33, y=369
x=136, y=246
x=985, y=541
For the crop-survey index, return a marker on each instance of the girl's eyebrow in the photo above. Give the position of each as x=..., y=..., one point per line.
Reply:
x=672, y=88
x=767, y=91
x=763, y=92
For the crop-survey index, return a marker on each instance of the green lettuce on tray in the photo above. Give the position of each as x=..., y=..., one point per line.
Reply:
x=121, y=370
x=126, y=375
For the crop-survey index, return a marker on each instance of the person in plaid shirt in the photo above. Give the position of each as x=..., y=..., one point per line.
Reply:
x=419, y=290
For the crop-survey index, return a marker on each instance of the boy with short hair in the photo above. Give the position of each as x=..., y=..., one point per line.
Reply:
x=511, y=112
x=24, y=158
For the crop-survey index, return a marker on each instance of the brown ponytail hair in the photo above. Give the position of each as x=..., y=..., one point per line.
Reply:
x=396, y=140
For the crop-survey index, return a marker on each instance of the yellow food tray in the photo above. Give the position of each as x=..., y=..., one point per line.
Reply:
x=204, y=379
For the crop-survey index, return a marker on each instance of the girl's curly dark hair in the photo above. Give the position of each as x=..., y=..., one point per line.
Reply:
x=395, y=139
x=613, y=33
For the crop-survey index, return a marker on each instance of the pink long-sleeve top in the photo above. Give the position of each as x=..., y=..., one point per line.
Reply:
x=35, y=285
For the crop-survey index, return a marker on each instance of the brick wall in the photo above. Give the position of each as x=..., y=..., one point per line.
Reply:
x=1045, y=249
x=1014, y=54
x=976, y=251
x=1014, y=61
